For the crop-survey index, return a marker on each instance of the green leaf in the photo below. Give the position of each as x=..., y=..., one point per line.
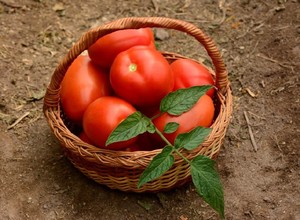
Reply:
x=208, y=183
x=171, y=127
x=182, y=100
x=192, y=139
x=151, y=128
x=161, y=163
x=130, y=127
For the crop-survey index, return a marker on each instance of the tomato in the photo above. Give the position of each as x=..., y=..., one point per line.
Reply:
x=106, y=48
x=142, y=76
x=201, y=114
x=84, y=137
x=147, y=143
x=150, y=111
x=188, y=73
x=132, y=147
x=82, y=84
x=102, y=116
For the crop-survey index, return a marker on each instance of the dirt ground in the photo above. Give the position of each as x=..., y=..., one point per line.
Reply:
x=260, y=43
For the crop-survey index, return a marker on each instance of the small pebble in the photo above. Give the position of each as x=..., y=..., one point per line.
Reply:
x=267, y=199
x=29, y=200
x=57, y=187
x=161, y=34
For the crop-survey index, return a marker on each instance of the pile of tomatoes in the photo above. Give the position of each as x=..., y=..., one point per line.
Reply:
x=124, y=73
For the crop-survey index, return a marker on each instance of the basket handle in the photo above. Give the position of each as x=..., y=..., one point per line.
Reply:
x=52, y=94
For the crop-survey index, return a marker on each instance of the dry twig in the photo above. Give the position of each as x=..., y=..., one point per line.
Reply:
x=252, y=94
x=249, y=30
x=187, y=3
x=155, y=5
x=258, y=116
x=254, y=48
x=275, y=139
x=250, y=132
x=10, y=5
x=275, y=61
x=223, y=10
x=18, y=120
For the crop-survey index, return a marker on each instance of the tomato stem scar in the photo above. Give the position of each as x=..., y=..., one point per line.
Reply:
x=132, y=67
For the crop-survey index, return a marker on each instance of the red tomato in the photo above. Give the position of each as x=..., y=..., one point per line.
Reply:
x=188, y=73
x=106, y=48
x=147, y=143
x=84, y=137
x=201, y=114
x=142, y=76
x=83, y=83
x=150, y=111
x=102, y=116
x=131, y=148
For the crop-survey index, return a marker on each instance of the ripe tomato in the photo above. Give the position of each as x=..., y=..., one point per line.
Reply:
x=147, y=143
x=84, y=137
x=150, y=111
x=201, y=114
x=142, y=76
x=82, y=84
x=102, y=116
x=188, y=73
x=106, y=48
x=132, y=147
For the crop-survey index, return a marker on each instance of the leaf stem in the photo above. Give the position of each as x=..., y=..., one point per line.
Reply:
x=169, y=144
x=181, y=155
x=157, y=115
x=163, y=137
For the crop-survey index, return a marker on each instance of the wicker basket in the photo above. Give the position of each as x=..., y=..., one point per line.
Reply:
x=119, y=169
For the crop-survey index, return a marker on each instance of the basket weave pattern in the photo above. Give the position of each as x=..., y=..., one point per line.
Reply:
x=118, y=169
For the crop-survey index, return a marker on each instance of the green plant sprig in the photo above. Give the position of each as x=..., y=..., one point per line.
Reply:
x=204, y=176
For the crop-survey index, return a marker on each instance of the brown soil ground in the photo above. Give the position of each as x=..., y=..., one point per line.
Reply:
x=260, y=43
